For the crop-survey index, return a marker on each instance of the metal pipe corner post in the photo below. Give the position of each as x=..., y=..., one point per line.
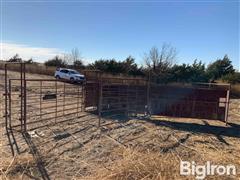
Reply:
x=25, y=98
x=6, y=98
x=21, y=95
x=100, y=102
x=148, y=93
x=10, y=103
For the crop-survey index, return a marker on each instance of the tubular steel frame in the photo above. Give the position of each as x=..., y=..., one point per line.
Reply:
x=56, y=99
x=163, y=100
x=7, y=95
x=68, y=96
x=110, y=96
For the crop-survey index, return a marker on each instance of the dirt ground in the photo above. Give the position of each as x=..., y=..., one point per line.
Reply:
x=123, y=148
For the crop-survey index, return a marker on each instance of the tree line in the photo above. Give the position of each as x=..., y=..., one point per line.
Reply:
x=160, y=64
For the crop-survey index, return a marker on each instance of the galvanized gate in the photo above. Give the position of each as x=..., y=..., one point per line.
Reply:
x=14, y=97
x=31, y=102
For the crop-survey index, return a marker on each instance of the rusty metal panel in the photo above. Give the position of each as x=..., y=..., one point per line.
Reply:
x=195, y=102
x=179, y=101
x=91, y=94
x=123, y=99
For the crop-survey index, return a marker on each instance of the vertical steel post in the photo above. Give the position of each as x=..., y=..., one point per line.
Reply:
x=148, y=94
x=64, y=92
x=227, y=106
x=25, y=97
x=136, y=101
x=6, y=99
x=83, y=97
x=100, y=102
x=40, y=100
x=56, y=102
x=10, y=103
x=25, y=106
x=78, y=94
x=21, y=91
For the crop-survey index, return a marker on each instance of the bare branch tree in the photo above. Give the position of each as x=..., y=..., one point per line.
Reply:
x=160, y=60
x=147, y=61
x=152, y=58
x=73, y=59
x=75, y=55
x=67, y=59
x=76, y=59
x=168, y=55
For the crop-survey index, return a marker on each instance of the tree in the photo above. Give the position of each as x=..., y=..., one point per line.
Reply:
x=56, y=61
x=232, y=78
x=75, y=55
x=78, y=64
x=73, y=59
x=198, y=73
x=152, y=59
x=15, y=58
x=160, y=60
x=220, y=68
x=30, y=61
x=128, y=66
x=180, y=73
x=109, y=65
x=67, y=59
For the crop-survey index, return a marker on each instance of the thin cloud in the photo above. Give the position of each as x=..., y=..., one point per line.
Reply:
x=38, y=54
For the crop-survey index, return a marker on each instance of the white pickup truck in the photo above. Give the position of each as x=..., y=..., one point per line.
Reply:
x=69, y=74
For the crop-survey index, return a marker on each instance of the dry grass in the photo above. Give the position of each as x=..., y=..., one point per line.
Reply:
x=133, y=164
x=18, y=167
x=41, y=69
x=31, y=68
x=142, y=162
x=138, y=149
x=235, y=90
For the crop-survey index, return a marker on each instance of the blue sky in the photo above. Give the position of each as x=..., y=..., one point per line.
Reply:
x=198, y=29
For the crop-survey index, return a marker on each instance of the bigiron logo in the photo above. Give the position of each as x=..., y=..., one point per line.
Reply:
x=202, y=171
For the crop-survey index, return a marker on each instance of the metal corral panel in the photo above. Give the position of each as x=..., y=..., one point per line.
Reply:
x=195, y=102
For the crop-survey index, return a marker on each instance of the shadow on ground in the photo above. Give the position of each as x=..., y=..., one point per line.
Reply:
x=232, y=130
